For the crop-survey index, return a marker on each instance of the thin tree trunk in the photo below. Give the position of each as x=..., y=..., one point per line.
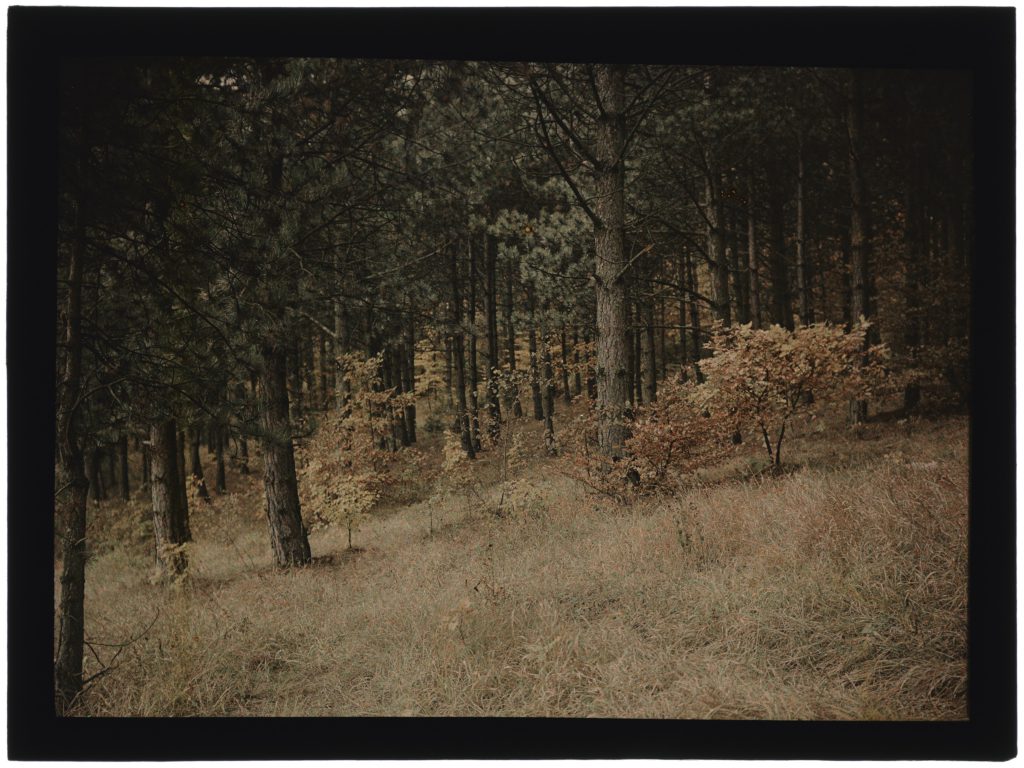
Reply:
x=491, y=291
x=409, y=376
x=512, y=403
x=474, y=405
x=755, y=279
x=284, y=516
x=609, y=184
x=631, y=354
x=538, y=406
x=566, y=393
x=458, y=353
x=170, y=508
x=73, y=488
x=860, y=229
x=197, y=466
x=716, y=250
x=122, y=445
x=578, y=375
x=802, y=280
x=146, y=465
x=647, y=350
x=221, y=437
x=294, y=362
x=591, y=369
x=782, y=310
x=92, y=472
x=549, y=400
x=683, y=283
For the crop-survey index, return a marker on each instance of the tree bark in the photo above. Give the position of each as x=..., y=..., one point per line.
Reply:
x=802, y=280
x=782, y=310
x=409, y=377
x=549, y=400
x=566, y=393
x=716, y=248
x=512, y=402
x=122, y=448
x=649, y=367
x=610, y=268
x=284, y=516
x=170, y=508
x=860, y=228
x=491, y=292
x=197, y=466
x=221, y=438
x=73, y=487
x=538, y=406
x=459, y=359
x=755, y=279
x=474, y=405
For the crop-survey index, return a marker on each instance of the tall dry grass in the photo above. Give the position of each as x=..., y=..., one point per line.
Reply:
x=835, y=591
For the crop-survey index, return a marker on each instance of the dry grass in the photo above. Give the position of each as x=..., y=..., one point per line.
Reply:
x=836, y=591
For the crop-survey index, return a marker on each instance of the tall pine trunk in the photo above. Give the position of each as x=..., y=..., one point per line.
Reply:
x=860, y=229
x=755, y=278
x=122, y=449
x=491, y=293
x=512, y=403
x=803, y=282
x=649, y=363
x=73, y=487
x=538, y=406
x=610, y=268
x=170, y=507
x=287, y=534
x=459, y=358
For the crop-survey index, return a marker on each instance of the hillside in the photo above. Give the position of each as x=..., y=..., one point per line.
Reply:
x=833, y=590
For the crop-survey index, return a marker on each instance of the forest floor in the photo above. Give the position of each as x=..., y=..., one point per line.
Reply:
x=836, y=590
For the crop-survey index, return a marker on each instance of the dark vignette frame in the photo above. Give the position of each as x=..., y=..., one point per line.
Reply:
x=980, y=40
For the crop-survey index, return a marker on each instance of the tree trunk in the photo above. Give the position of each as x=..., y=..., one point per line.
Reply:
x=802, y=280
x=698, y=339
x=649, y=367
x=73, y=487
x=170, y=509
x=549, y=400
x=409, y=377
x=294, y=362
x=92, y=472
x=755, y=280
x=458, y=353
x=474, y=405
x=221, y=438
x=860, y=229
x=566, y=393
x=782, y=310
x=914, y=250
x=146, y=465
x=631, y=355
x=182, y=473
x=577, y=382
x=491, y=291
x=609, y=184
x=284, y=516
x=512, y=402
x=197, y=466
x=683, y=282
x=538, y=406
x=716, y=249
x=122, y=446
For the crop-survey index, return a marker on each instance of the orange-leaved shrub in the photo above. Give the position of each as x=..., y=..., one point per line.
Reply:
x=764, y=377
x=677, y=434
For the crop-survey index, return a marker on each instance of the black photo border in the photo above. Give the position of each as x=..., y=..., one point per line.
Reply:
x=980, y=40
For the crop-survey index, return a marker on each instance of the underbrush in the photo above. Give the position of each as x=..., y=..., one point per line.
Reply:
x=836, y=590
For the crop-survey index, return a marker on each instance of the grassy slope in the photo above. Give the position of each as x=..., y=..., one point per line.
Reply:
x=835, y=591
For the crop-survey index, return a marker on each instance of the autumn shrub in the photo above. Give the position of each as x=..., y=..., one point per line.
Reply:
x=676, y=435
x=764, y=377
